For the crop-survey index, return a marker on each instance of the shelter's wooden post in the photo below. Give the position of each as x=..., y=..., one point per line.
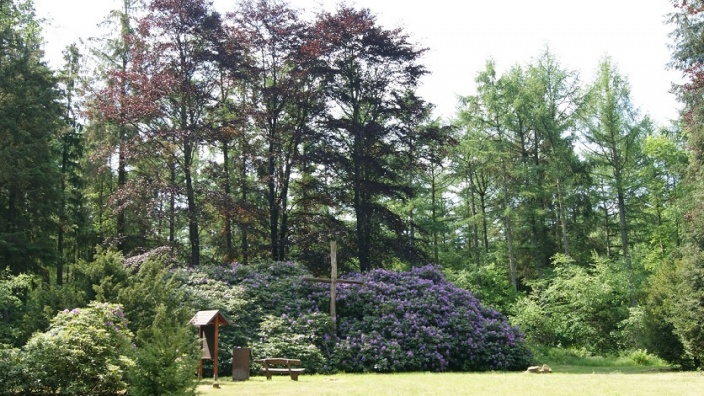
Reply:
x=200, y=359
x=215, y=353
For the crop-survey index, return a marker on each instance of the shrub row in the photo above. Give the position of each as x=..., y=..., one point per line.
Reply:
x=95, y=350
x=395, y=321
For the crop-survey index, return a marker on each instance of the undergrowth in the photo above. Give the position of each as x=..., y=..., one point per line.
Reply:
x=583, y=358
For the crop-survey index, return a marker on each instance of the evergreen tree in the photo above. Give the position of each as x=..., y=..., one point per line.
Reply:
x=490, y=113
x=614, y=134
x=72, y=243
x=367, y=71
x=118, y=110
x=30, y=118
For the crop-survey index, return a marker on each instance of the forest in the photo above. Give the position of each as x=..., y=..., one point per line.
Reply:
x=259, y=136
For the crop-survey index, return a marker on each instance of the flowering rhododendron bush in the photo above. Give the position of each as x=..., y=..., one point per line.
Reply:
x=396, y=321
x=86, y=351
x=416, y=320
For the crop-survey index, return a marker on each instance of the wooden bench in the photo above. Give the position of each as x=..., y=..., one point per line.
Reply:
x=278, y=362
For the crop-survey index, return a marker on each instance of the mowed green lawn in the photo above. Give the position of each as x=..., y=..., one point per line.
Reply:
x=565, y=380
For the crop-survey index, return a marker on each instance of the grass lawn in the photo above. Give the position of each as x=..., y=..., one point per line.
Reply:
x=565, y=380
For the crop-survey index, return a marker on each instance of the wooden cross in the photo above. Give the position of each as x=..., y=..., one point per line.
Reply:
x=333, y=281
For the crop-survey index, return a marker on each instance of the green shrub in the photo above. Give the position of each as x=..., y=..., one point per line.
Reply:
x=166, y=358
x=206, y=292
x=490, y=283
x=582, y=357
x=43, y=302
x=13, y=373
x=86, y=351
x=399, y=321
x=664, y=313
x=27, y=304
x=537, y=324
x=246, y=294
x=102, y=278
x=14, y=291
x=167, y=350
x=641, y=357
x=579, y=307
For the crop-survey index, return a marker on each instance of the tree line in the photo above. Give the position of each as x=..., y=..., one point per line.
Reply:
x=263, y=133
x=256, y=134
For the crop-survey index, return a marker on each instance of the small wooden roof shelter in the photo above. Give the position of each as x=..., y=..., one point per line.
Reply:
x=208, y=323
x=206, y=318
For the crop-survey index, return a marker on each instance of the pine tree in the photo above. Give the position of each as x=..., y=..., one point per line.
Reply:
x=30, y=117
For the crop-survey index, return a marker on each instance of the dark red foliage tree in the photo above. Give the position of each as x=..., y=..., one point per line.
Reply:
x=283, y=98
x=167, y=91
x=181, y=31
x=123, y=112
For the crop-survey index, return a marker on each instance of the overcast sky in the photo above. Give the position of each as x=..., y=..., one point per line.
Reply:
x=462, y=35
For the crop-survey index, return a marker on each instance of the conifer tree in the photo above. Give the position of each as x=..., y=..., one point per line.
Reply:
x=30, y=118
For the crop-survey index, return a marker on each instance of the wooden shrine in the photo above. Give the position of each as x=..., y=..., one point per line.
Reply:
x=208, y=323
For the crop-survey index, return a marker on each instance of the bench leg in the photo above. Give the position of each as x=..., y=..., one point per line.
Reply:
x=294, y=375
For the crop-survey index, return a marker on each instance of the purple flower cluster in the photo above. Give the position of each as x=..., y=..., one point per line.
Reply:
x=74, y=311
x=416, y=320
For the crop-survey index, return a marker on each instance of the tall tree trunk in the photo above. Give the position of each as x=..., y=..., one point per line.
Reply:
x=244, y=194
x=273, y=206
x=485, y=226
x=362, y=230
x=121, y=221
x=172, y=202
x=361, y=197
x=60, y=258
x=606, y=223
x=433, y=202
x=11, y=203
x=622, y=224
x=192, y=207
x=62, y=217
x=283, y=225
x=362, y=208
x=121, y=182
x=283, y=236
x=228, y=202
x=624, y=236
x=473, y=212
x=563, y=219
x=11, y=198
x=508, y=227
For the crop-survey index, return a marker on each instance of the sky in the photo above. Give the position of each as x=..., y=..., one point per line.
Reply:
x=462, y=35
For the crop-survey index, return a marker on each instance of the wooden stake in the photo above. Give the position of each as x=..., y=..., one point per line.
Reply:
x=333, y=280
